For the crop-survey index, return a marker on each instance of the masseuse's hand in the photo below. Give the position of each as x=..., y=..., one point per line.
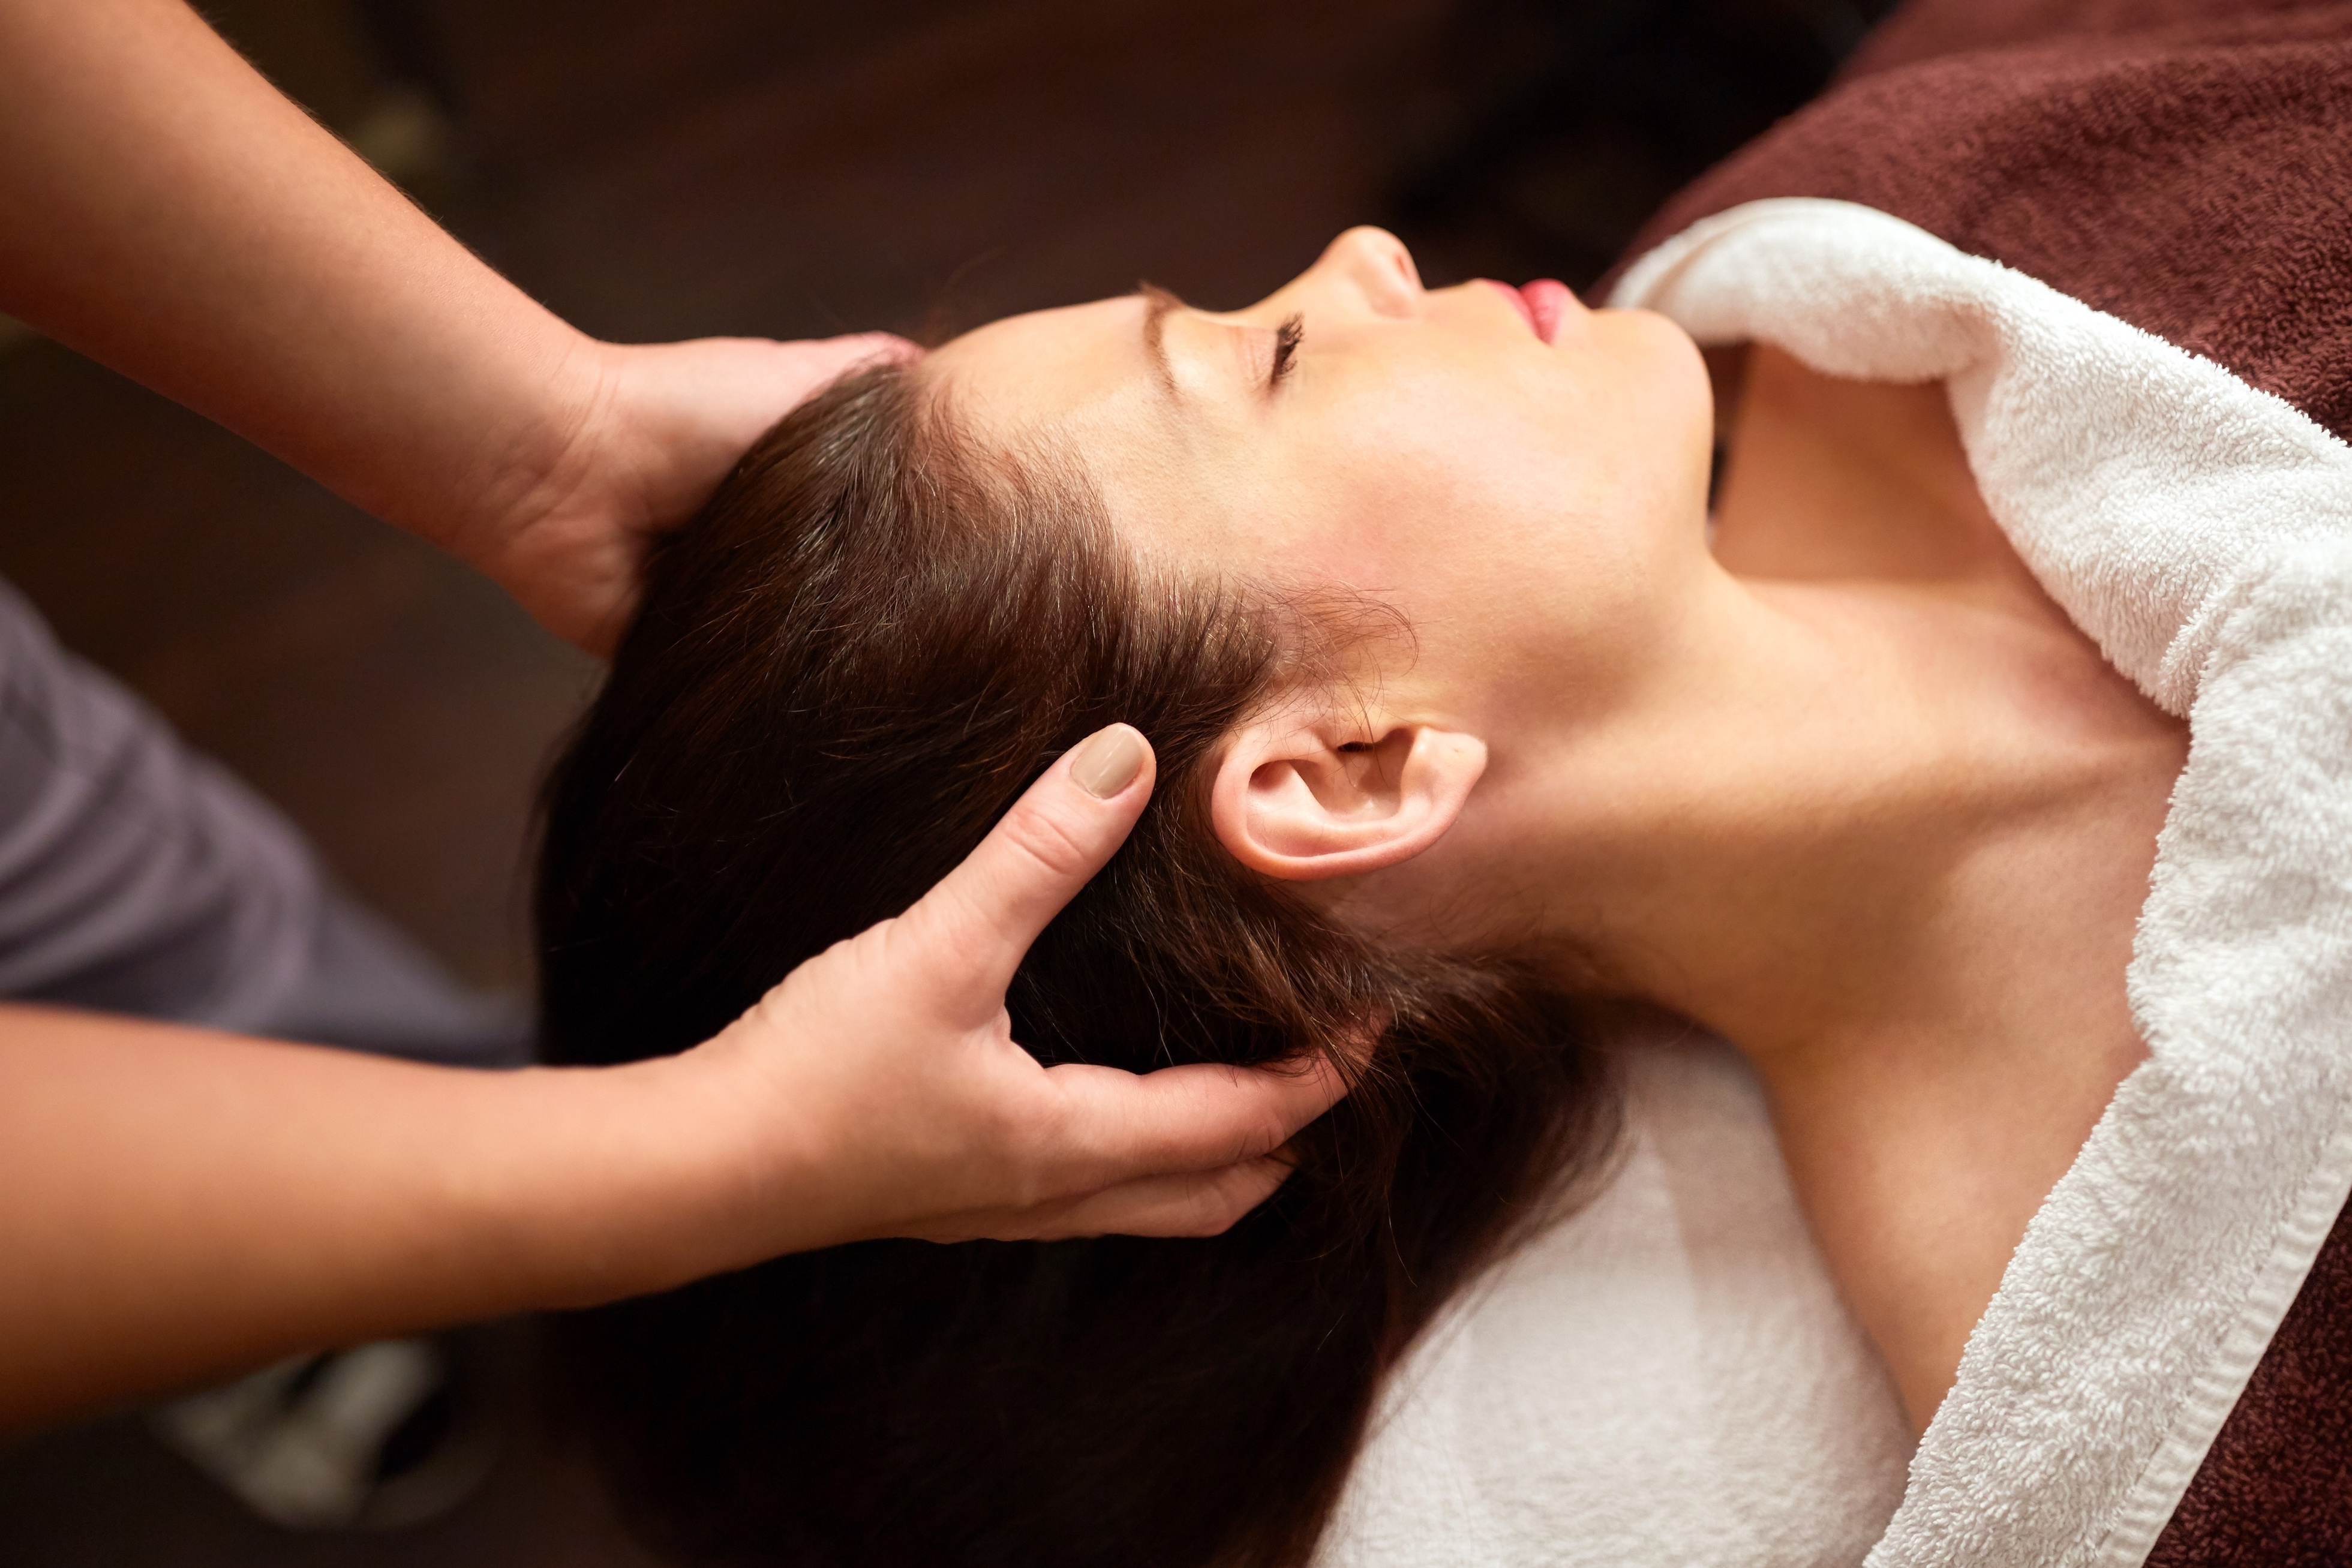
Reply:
x=167, y=212
x=182, y=1203
x=892, y=1057
x=648, y=431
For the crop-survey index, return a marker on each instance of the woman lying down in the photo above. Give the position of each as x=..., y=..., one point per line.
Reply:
x=1466, y=720
x=1478, y=732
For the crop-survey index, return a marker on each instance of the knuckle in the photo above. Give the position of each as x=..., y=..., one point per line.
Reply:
x=946, y=956
x=1215, y=1206
x=1018, y=1139
x=1245, y=1131
x=940, y=941
x=1051, y=836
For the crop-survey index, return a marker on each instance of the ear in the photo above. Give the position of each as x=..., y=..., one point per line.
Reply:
x=1303, y=801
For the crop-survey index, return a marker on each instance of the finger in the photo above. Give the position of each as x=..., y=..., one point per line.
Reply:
x=983, y=915
x=880, y=348
x=1198, y=1203
x=1195, y=1118
x=854, y=350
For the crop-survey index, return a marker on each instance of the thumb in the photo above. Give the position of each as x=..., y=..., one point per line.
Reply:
x=1061, y=831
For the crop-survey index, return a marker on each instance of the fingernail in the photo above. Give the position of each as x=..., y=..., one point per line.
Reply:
x=1106, y=761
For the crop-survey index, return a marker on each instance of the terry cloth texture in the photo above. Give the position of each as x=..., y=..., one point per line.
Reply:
x=2183, y=165
x=2186, y=166
x=1666, y=1377
x=2200, y=532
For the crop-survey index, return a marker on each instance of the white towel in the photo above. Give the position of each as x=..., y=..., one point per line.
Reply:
x=1630, y=1387
x=2199, y=531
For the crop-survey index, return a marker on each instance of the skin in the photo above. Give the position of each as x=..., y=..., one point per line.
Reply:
x=1845, y=786
x=182, y=1204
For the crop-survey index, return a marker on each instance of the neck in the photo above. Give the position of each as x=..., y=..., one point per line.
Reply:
x=1883, y=820
x=1786, y=846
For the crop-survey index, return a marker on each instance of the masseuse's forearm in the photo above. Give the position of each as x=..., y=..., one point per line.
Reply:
x=164, y=210
x=176, y=1204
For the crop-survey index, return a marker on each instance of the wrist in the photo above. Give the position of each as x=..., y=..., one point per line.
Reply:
x=648, y=1175
x=627, y=441
x=559, y=522
x=526, y=471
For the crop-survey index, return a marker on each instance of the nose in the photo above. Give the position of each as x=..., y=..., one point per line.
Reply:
x=1377, y=263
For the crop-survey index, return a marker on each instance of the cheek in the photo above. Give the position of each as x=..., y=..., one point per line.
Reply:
x=1559, y=484
x=1423, y=472
x=1463, y=518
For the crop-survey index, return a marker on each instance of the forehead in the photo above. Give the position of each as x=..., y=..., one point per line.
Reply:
x=1070, y=369
x=1078, y=382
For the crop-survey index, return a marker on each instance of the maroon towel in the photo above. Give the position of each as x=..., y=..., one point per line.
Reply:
x=2187, y=167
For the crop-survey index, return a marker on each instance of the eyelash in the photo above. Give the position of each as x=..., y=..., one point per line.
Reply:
x=1286, y=339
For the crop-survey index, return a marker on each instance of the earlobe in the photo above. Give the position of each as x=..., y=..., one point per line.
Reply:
x=1293, y=803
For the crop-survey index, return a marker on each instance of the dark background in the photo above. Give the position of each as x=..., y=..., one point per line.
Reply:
x=782, y=167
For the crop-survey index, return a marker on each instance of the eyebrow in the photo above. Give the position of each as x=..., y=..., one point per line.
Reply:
x=1157, y=304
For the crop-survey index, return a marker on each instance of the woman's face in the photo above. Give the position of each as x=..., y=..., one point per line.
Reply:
x=1524, y=479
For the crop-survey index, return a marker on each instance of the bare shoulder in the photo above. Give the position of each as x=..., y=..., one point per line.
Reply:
x=1980, y=1050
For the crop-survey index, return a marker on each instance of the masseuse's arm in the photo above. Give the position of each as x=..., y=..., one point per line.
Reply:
x=167, y=212
x=175, y=1203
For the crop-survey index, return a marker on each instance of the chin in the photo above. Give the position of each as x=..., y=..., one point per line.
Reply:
x=1676, y=396
x=1673, y=357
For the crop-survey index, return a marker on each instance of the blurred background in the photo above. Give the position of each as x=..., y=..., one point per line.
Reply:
x=777, y=167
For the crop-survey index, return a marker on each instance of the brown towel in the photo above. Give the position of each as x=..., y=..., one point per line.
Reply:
x=2186, y=166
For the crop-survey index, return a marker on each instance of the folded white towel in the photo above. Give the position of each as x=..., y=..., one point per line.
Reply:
x=2200, y=531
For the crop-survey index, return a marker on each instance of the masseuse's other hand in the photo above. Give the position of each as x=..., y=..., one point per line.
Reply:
x=892, y=1055
x=649, y=430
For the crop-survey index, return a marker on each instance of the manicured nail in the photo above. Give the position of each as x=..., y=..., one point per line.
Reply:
x=1106, y=761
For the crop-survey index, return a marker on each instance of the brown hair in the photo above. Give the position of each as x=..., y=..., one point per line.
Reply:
x=868, y=644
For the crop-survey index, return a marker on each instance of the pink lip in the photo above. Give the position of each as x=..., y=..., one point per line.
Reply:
x=1545, y=303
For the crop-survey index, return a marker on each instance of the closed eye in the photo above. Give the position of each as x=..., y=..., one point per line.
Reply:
x=1286, y=339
